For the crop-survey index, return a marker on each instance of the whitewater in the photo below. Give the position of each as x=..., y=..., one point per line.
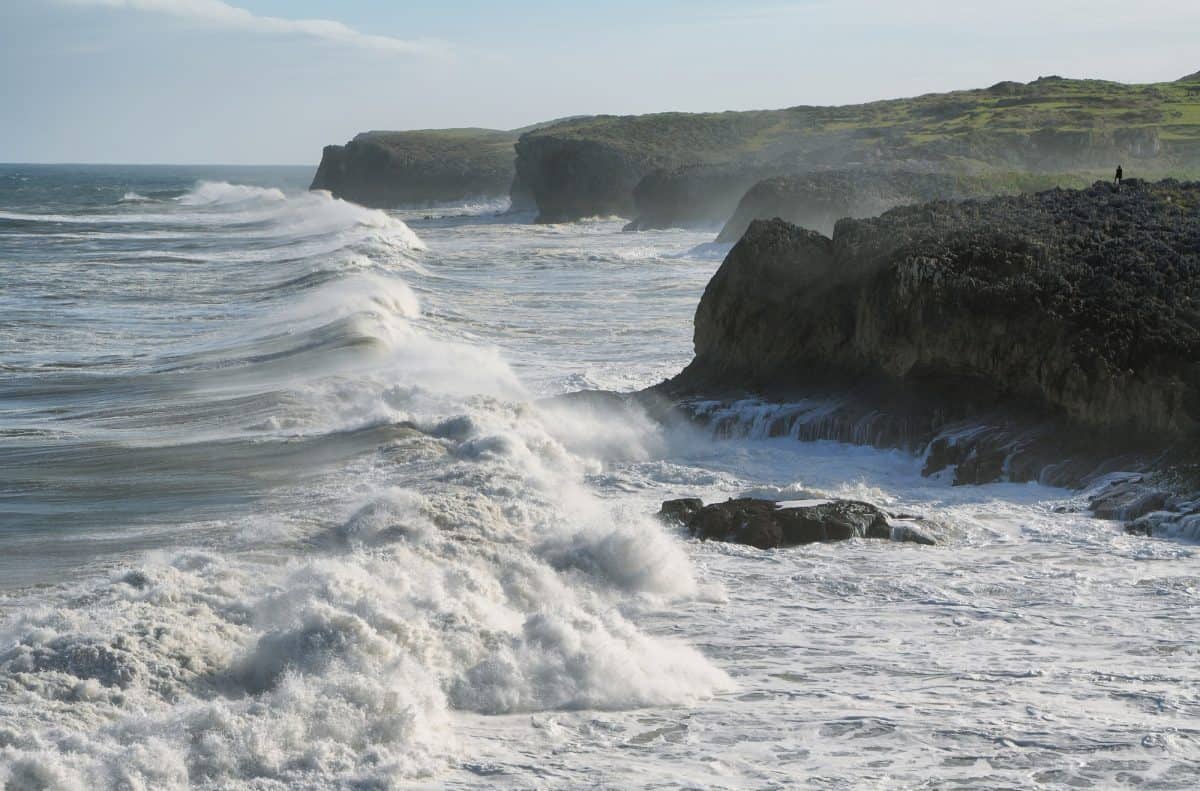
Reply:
x=289, y=499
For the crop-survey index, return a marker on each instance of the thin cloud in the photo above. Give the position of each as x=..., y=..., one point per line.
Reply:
x=221, y=14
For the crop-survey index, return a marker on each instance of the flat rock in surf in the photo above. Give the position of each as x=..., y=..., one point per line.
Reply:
x=767, y=524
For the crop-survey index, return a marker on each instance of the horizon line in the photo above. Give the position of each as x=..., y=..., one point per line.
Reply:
x=166, y=164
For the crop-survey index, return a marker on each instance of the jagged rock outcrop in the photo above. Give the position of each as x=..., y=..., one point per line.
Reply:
x=392, y=169
x=695, y=196
x=819, y=200
x=766, y=524
x=1080, y=307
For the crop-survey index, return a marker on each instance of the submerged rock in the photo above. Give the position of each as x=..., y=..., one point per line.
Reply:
x=766, y=524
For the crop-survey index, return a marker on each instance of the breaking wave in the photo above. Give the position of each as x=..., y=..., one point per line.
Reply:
x=393, y=530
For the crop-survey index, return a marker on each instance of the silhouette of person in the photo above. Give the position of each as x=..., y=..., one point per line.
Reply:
x=1120, y=175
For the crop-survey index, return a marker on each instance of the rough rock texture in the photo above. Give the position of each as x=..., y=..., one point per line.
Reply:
x=697, y=196
x=1128, y=500
x=521, y=199
x=589, y=167
x=391, y=169
x=819, y=200
x=767, y=525
x=573, y=179
x=1084, y=303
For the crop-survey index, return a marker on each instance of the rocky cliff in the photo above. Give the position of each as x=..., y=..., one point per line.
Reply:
x=593, y=166
x=391, y=169
x=1081, y=306
x=573, y=179
x=818, y=200
x=695, y=196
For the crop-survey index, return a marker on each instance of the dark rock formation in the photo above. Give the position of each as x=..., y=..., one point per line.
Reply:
x=1128, y=499
x=767, y=525
x=420, y=168
x=682, y=510
x=697, y=196
x=573, y=179
x=1086, y=303
x=520, y=198
x=819, y=200
x=1180, y=518
x=1053, y=336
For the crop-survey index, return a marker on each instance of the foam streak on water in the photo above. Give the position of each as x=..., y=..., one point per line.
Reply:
x=280, y=506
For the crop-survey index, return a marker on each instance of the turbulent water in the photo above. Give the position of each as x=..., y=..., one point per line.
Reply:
x=283, y=503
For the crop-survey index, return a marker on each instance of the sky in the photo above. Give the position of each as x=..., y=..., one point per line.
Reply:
x=272, y=81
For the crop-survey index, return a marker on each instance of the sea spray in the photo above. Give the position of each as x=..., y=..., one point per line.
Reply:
x=447, y=555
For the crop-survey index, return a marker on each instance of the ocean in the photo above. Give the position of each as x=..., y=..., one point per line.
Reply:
x=287, y=501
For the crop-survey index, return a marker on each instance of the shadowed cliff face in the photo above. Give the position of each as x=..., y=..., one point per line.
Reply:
x=391, y=169
x=1052, y=125
x=698, y=196
x=819, y=200
x=1086, y=303
x=573, y=179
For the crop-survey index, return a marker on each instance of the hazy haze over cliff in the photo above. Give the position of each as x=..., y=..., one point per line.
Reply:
x=271, y=81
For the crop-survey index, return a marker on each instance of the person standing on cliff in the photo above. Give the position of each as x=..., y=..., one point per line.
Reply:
x=1120, y=175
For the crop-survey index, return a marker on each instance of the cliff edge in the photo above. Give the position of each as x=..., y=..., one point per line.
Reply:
x=419, y=168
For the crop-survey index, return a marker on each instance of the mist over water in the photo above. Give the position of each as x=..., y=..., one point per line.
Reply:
x=282, y=503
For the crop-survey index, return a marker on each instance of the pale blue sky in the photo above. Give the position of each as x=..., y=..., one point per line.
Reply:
x=271, y=81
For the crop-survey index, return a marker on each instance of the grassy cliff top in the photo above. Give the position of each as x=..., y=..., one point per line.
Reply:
x=1170, y=110
x=472, y=134
x=492, y=146
x=501, y=139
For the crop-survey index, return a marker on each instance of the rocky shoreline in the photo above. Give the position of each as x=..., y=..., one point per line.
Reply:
x=1051, y=337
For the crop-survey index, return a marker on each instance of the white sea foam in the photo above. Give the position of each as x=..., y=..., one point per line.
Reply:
x=494, y=595
x=381, y=559
x=222, y=193
x=483, y=576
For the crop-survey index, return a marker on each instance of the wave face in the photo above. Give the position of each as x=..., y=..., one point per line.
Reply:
x=379, y=527
x=283, y=503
